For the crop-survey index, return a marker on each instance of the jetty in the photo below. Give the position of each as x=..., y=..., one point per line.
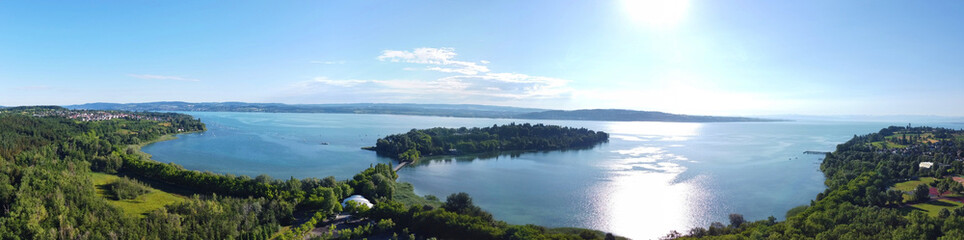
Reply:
x=815, y=152
x=399, y=166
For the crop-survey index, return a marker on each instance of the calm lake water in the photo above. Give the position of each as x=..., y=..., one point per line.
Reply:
x=650, y=178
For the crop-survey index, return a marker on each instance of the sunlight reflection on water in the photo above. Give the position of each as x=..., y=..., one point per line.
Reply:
x=645, y=203
x=643, y=197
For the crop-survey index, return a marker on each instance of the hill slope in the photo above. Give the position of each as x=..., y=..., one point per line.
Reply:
x=449, y=110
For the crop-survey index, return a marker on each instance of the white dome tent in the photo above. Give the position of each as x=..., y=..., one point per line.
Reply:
x=357, y=199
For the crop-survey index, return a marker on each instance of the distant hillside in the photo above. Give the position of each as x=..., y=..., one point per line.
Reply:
x=445, y=110
x=890, y=119
x=448, y=110
x=630, y=115
x=30, y=108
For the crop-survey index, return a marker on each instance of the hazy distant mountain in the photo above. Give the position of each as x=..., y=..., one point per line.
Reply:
x=630, y=115
x=451, y=110
x=872, y=118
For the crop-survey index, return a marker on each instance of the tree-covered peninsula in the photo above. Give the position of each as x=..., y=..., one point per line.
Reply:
x=67, y=174
x=510, y=137
x=898, y=183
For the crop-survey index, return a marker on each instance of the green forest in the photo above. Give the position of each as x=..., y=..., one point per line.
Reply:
x=52, y=161
x=510, y=137
x=876, y=189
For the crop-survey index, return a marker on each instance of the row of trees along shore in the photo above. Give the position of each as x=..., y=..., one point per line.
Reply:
x=47, y=191
x=860, y=201
x=510, y=137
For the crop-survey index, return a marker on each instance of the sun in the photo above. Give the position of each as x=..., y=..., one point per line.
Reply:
x=656, y=13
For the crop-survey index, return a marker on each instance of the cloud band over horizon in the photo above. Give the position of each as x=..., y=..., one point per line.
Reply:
x=461, y=81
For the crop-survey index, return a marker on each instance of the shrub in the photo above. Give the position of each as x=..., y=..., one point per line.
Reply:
x=126, y=188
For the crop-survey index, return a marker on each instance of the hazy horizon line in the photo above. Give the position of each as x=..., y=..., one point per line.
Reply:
x=789, y=116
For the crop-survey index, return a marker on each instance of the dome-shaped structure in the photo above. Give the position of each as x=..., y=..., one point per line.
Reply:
x=358, y=199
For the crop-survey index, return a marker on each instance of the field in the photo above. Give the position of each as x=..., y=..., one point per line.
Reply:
x=142, y=204
x=886, y=144
x=134, y=207
x=910, y=185
x=927, y=137
x=933, y=207
x=891, y=141
x=924, y=135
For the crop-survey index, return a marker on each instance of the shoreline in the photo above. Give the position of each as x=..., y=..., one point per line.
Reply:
x=406, y=193
x=166, y=137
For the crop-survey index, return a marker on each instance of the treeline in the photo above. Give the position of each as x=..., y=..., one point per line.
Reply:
x=511, y=137
x=858, y=203
x=46, y=191
x=459, y=218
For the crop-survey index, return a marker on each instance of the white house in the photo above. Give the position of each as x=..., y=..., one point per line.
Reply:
x=926, y=164
x=358, y=199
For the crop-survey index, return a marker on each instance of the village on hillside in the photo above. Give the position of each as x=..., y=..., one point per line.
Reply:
x=940, y=187
x=85, y=115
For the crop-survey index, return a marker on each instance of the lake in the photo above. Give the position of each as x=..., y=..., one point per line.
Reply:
x=650, y=178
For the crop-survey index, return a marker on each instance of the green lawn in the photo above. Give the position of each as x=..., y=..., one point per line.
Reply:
x=928, y=137
x=134, y=207
x=958, y=136
x=405, y=193
x=910, y=185
x=905, y=135
x=887, y=144
x=932, y=208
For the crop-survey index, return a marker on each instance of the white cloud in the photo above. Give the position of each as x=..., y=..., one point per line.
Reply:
x=435, y=56
x=475, y=78
x=477, y=89
x=162, y=77
x=512, y=85
x=468, y=82
x=340, y=83
x=323, y=84
x=466, y=71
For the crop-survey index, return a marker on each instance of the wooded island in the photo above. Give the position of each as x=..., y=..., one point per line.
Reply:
x=439, y=141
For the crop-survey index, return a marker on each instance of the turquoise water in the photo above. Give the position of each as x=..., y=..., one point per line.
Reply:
x=650, y=178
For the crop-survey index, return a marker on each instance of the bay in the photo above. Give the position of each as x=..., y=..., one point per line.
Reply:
x=650, y=178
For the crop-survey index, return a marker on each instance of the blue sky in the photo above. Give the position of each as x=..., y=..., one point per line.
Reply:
x=693, y=57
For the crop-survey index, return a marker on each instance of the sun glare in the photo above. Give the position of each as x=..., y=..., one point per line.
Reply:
x=656, y=13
